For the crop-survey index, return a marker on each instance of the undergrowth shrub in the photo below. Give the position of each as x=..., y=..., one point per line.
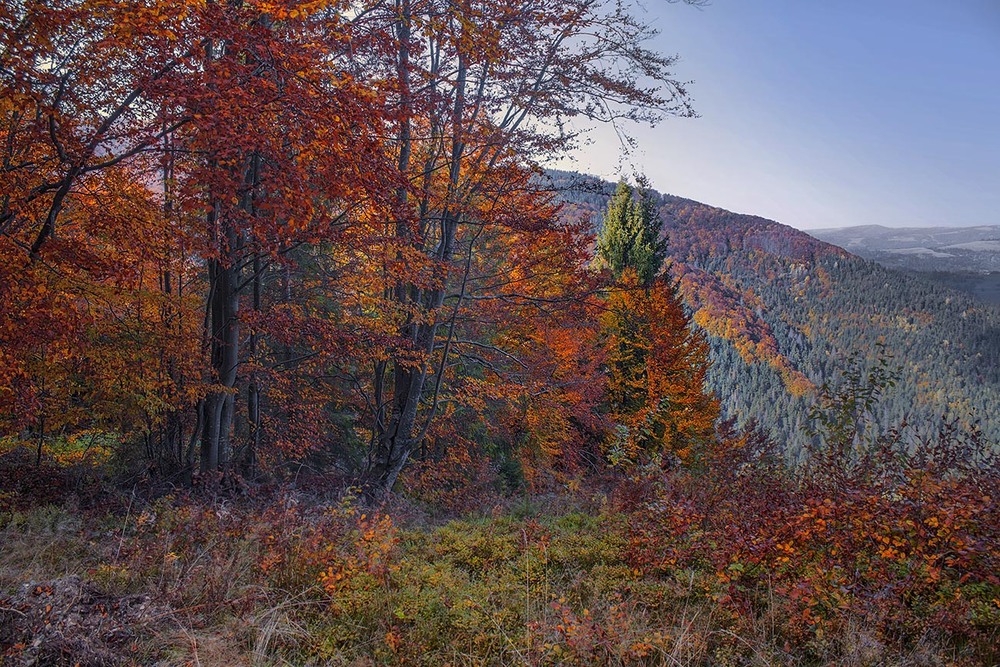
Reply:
x=456, y=478
x=901, y=542
x=885, y=553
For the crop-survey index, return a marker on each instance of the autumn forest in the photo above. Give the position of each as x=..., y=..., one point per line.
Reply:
x=305, y=358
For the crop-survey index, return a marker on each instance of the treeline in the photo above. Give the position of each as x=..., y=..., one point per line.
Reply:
x=784, y=313
x=237, y=233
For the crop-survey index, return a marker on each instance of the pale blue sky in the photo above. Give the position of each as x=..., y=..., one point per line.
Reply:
x=828, y=113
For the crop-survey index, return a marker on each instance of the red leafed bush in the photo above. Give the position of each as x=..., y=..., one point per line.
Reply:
x=903, y=543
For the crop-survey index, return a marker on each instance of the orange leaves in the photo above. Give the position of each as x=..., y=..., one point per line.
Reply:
x=281, y=10
x=657, y=367
x=902, y=554
x=362, y=561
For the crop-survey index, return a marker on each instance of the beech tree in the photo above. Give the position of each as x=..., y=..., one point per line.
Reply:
x=82, y=243
x=241, y=120
x=287, y=146
x=657, y=365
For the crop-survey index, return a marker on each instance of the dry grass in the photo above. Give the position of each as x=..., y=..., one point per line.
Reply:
x=528, y=584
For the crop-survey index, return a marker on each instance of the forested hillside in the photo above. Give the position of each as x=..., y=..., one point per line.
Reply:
x=964, y=258
x=784, y=311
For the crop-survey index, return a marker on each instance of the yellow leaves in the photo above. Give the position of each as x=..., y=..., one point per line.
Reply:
x=787, y=551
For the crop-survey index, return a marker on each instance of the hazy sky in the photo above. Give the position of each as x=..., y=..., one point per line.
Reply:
x=828, y=113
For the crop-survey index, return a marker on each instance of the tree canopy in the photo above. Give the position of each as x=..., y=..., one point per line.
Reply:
x=630, y=236
x=239, y=233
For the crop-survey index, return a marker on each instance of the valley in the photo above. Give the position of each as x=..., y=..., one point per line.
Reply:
x=966, y=259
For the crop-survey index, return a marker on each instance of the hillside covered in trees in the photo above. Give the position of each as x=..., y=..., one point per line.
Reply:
x=966, y=259
x=784, y=311
x=303, y=360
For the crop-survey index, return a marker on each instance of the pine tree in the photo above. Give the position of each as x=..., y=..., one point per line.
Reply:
x=630, y=235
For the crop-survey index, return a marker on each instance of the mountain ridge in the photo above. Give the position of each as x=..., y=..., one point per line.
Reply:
x=785, y=312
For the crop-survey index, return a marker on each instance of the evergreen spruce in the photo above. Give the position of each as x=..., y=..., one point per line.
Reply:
x=630, y=234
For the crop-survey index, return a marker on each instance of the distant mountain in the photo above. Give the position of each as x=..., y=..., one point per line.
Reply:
x=964, y=258
x=970, y=248
x=785, y=312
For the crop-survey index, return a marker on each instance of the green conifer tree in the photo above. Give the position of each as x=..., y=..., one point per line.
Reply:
x=630, y=235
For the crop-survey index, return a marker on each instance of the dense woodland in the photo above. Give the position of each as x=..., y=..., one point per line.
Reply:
x=238, y=232
x=304, y=359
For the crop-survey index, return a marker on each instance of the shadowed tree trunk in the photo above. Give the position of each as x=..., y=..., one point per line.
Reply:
x=397, y=440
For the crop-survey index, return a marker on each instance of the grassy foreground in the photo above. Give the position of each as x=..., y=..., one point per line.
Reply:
x=683, y=569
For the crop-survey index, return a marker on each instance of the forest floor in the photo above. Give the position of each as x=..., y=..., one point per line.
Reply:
x=614, y=572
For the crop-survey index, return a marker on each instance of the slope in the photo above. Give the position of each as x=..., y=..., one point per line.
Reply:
x=962, y=258
x=786, y=312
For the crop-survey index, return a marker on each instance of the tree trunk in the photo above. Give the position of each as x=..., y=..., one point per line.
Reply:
x=398, y=441
x=224, y=306
x=254, y=389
